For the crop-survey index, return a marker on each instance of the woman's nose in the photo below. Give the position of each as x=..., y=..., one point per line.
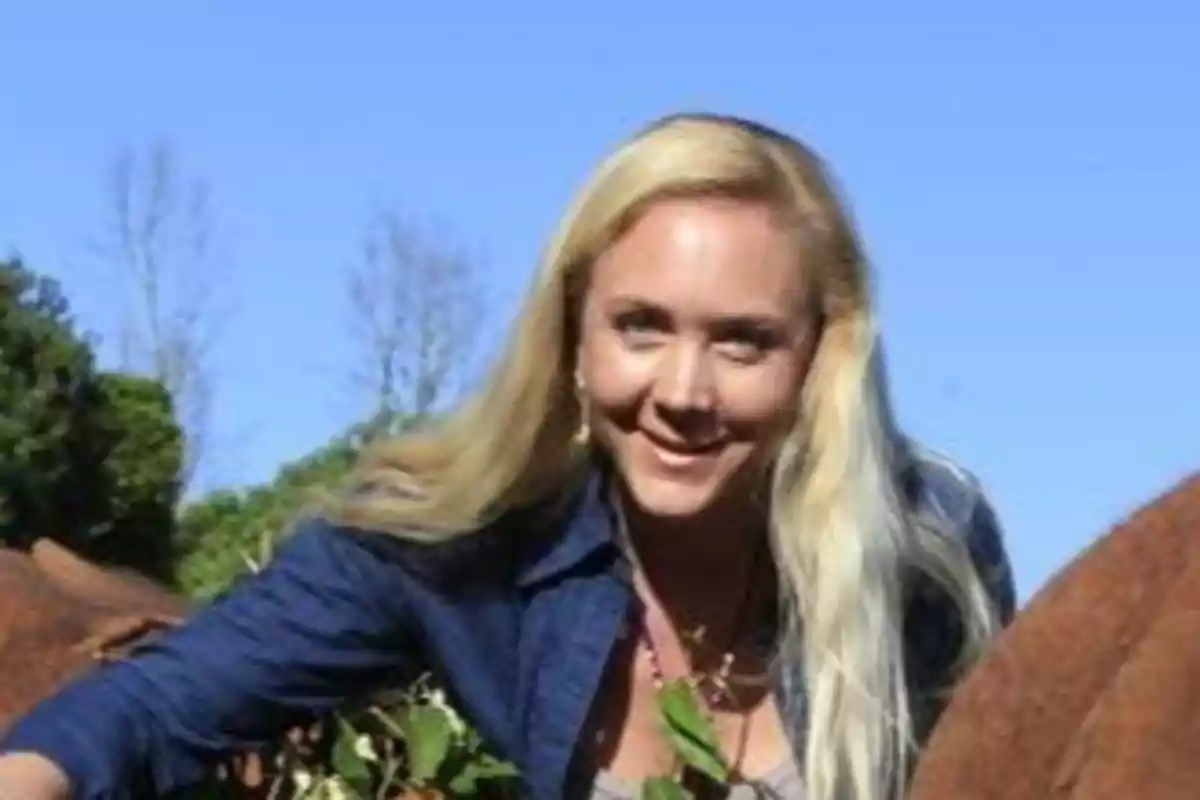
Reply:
x=684, y=381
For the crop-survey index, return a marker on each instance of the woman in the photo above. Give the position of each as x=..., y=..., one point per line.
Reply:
x=684, y=466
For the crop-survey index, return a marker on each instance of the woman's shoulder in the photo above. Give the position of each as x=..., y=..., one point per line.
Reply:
x=490, y=556
x=473, y=557
x=938, y=484
x=952, y=497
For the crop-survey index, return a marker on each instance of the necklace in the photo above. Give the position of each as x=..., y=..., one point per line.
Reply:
x=713, y=687
x=719, y=683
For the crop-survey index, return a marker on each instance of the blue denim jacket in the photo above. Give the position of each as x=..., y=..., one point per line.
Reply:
x=518, y=621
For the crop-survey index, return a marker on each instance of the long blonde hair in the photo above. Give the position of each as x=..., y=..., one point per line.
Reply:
x=842, y=536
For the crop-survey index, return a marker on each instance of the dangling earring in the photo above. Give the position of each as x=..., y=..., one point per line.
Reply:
x=584, y=433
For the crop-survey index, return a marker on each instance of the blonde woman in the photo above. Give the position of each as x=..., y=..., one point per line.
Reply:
x=684, y=466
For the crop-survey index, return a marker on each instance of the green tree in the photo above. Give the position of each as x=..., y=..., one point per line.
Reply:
x=89, y=458
x=222, y=530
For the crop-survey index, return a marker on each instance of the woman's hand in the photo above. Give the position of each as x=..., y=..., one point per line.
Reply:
x=25, y=776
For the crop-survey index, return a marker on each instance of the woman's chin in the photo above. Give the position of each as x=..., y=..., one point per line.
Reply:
x=672, y=500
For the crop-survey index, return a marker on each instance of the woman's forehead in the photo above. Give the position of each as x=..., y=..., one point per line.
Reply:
x=726, y=257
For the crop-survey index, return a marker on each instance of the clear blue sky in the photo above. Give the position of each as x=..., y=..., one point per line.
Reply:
x=1026, y=181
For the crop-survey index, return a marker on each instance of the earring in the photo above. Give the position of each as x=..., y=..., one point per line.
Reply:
x=584, y=433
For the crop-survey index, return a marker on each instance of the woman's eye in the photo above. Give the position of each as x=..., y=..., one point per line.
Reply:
x=749, y=345
x=742, y=351
x=639, y=325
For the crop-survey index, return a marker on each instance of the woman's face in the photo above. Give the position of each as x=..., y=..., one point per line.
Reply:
x=696, y=335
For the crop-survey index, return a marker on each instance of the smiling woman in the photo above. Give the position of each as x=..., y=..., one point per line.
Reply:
x=697, y=330
x=696, y=333
x=678, y=541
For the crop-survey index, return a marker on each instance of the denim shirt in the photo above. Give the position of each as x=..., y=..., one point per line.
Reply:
x=518, y=621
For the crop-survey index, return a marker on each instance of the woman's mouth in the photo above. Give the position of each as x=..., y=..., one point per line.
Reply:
x=682, y=455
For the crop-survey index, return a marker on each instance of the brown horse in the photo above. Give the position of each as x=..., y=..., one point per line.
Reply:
x=1093, y=692
x=61, y=615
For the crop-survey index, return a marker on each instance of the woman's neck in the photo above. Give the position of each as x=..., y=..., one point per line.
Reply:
x=699, y=571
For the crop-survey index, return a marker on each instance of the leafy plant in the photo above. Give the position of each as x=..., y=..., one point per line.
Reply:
x=417, y=745
x=693, y=739
x=409, y=744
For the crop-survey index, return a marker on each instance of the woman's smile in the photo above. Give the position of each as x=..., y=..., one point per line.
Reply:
x=682, y=457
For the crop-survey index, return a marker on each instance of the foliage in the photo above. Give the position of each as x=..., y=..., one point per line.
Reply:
x=89, y=458
x=693, y=738
x=411, y=739
x=408, y=743
x=413, y=744
x=222, y=530
x=219, y=532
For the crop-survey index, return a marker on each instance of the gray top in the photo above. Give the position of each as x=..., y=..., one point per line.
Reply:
x=782, y=783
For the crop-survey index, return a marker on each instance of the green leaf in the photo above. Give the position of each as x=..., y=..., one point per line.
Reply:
x=664, y=789
x=690, y=731
x=428, y=736
x=466, y=782
x=393, y=728
x=491, y=767
x=481, y=768
x=349, y=765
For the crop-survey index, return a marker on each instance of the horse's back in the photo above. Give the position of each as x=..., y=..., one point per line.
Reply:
x=1012, y=728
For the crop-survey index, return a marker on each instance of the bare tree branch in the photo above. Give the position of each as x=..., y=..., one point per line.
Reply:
x=416, y=304
x=161, y=232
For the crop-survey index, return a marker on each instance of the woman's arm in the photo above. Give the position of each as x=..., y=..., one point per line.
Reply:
x=323, y=622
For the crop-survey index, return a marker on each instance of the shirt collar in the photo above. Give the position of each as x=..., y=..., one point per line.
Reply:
x=583, y=531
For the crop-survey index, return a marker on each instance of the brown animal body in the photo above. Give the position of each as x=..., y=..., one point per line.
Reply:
x=1093, y=692
x=60, y=616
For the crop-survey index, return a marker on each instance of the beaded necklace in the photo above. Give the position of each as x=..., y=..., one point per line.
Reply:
x=720, y=682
